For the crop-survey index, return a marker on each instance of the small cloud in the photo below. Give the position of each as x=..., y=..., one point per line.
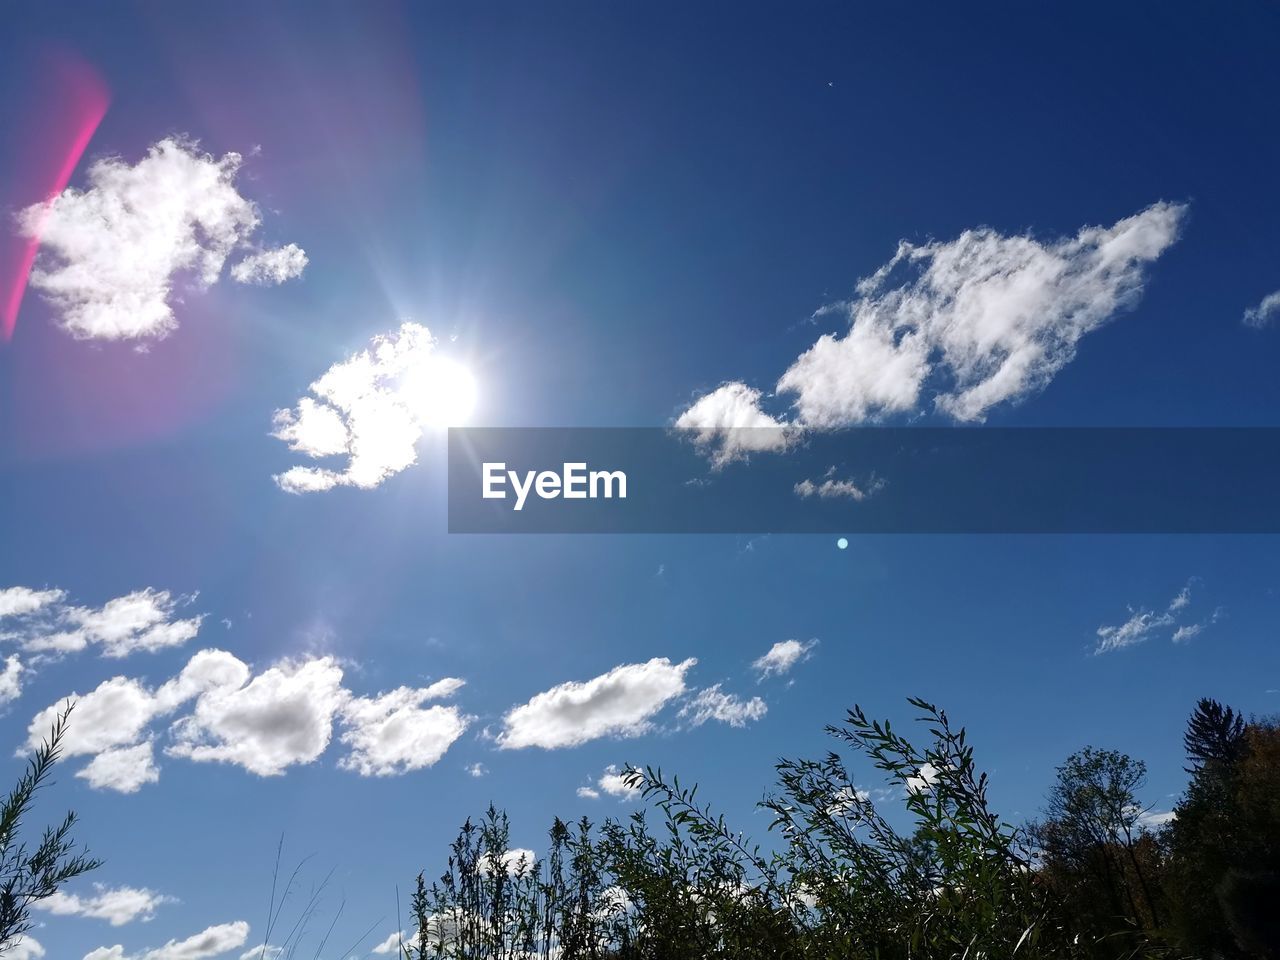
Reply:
x=1266, y=311
x=477, y=770
x=782, y=656
x=1144, y=624
x=271, y=266
x=619, y=703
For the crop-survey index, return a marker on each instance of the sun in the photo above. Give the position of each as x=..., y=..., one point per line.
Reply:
x=441, y=392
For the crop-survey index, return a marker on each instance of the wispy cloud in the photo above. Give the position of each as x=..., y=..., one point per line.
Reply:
x=1267, y=310
x=45, y=626
x=1143, y=624
x=112, y=253
x=714, y=704
x=782, y=656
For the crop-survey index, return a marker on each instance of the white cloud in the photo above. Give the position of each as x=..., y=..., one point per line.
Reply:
x=271, y=266
x=477, y=769
x=393, y=943
x=513, y=861
x=713, y=704
x=11, y=680
x=118, y=710
x=1264, y=312
x=618, y=703
x=1187, y=632
x=830, y=488
x=284, y=716
x=140, y=621
x=263, y=952
x=1154, y=819
x=25, y=947
x=393, y=733
x=1143, y=624
x=729, y=423
x=371, y=408
x=612, y=782
x=143, y=621
x=111, y=254
x=969, y=324
x=116, y=905
x=211, y=942
x=924, y=779
x=22, y=601
x=782, y=656
x=266, y=723
x=123, y=769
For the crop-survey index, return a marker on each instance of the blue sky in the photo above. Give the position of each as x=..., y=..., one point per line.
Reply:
x=604, y=215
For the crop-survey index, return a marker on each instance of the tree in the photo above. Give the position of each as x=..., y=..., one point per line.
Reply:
x=1095, y=852
x=27, y=877
x=1215, y=735
x=1224, y=843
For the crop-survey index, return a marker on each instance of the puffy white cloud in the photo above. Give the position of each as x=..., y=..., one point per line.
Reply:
x=22, y=601
x=266, y=723
x=117, y=712
x=729, y=424
x=25, y=947
x=263, y=952
x=618, y=703
x=110, y=254
x=114, y=714
x=923, y=780
x=393, y=943
x=514, y=860
x=1266, y=311
x=477, y=769
x=372, y=408
x=714, y=704
x=212, y=942
x=123, y=769
x=284, y=716
x=11, y=680
x=116, y=905
x=393, y=733
x=612, y=782
x=271, y=266
x=782, y=656
x=970, y=323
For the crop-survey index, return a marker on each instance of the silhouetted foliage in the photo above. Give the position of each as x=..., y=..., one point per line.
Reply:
x=1094, y=880
x=28, y=876
x=1214, y=734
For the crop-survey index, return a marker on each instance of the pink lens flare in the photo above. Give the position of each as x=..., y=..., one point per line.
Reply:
x=72, y=100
